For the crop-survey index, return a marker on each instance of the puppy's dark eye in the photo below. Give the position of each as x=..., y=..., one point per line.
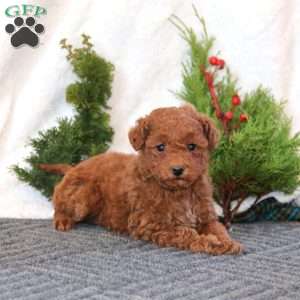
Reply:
x=191, y=147
x=160, y=147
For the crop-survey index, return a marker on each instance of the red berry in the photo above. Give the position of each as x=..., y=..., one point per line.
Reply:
x=213, y=60
x=229, y=115
x=221, y=63
x=243, y=118
x=235, y=100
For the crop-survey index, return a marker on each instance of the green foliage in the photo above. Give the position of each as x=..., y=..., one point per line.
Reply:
x=260, y=155
x=87, y=133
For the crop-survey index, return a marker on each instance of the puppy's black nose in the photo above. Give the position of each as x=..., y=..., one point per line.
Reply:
x=177, y=170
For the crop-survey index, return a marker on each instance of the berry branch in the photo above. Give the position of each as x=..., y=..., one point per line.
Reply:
x=224, y=117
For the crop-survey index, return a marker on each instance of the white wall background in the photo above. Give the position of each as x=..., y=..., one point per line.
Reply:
x=258, y=39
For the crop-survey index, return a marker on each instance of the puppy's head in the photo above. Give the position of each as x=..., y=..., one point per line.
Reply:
x=174, y=145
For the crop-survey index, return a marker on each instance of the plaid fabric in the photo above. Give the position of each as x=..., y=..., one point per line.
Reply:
x=270, y=209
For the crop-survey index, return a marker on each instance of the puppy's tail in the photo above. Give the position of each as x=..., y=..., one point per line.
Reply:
x=60, y=169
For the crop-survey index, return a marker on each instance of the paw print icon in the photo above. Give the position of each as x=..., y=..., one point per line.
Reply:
x=24, y=32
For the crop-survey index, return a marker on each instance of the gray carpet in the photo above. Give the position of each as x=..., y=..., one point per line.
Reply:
x=89, y=262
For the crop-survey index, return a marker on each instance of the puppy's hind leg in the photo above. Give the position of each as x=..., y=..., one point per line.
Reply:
x=74, y=202
x=66, y=217
x=62, y=221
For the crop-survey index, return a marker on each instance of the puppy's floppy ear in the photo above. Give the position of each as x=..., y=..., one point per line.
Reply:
x=138, y=134
x=210, y=131
x=209, y=128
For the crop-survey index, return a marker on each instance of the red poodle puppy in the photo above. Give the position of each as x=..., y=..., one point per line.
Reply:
x=163, y=194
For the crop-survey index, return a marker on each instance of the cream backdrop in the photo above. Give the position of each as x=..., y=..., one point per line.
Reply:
x=258, y=39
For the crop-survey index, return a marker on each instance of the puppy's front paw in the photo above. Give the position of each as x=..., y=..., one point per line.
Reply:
x=230, y=248
x=63, y=223
x=205, y=243
x=235, y=248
